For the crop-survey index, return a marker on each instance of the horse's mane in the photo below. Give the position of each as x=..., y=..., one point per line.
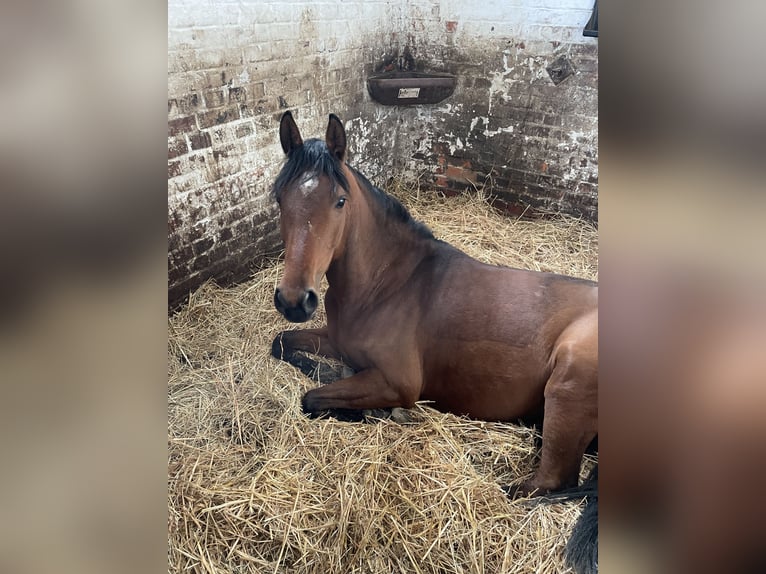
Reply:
x=392, y=207
x=314, y=156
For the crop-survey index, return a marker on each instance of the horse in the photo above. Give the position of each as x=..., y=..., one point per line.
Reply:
x=417, y=319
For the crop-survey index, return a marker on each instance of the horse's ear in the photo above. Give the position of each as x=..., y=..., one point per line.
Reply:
x=336, y=137
x=289, y=135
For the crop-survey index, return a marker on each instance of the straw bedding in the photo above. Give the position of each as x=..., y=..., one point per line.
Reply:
x=255, y=486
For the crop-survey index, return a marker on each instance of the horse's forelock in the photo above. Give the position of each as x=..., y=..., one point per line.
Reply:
x=313, y=157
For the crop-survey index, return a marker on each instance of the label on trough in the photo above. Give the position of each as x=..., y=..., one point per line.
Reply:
x=409, y=92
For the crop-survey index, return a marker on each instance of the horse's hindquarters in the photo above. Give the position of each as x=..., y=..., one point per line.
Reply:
x=489, y=336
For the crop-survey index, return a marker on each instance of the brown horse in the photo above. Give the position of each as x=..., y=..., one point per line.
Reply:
x=418, y=319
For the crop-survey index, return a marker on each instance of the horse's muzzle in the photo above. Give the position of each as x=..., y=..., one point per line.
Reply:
x=299, y=312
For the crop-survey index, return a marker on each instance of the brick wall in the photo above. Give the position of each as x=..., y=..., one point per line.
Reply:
x=507, y=127
x=234, y=66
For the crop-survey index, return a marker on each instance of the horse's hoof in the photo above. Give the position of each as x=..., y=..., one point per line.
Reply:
x=346, y=372
x=316, y=414
x=277, y=348
x=307, y=406
x=523, y=490
x=401, y=415
x=375, y=414
x=512, y=491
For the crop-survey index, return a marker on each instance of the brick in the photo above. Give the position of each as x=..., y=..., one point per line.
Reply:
x=174, y=169
x=223, y=152
x=187, y=180
x=208, y=58
x=202, y=245
x=179, y=61
x=260, y=107
x=213, y=79
x=201, y=263
x=586, y=65
x=256, y=90
x=237, y=95
x=214, y=98
x=454, y=172
x=537, y=131
x=183, y=254
x=182, y=125
x=177, y=146
x=180, y=282
x=200, y=140
x=243, y=130
x=258, y=53
x=218, y=117
x=190, y=103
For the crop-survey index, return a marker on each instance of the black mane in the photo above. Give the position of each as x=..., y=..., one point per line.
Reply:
x=392, y=207
x=314, y=156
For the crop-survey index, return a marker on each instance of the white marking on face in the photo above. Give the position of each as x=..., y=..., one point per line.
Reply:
x=309, y=185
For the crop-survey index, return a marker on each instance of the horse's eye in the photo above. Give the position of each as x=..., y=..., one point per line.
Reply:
x=341, y=202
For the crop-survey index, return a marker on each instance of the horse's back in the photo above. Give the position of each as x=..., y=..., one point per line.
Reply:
x=516, y=307
x=489, y=334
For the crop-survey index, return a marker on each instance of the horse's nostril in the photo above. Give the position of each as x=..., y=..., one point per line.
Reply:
x=310, y=301
x=279, y=302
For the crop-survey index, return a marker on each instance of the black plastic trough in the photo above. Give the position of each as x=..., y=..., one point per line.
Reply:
x=410, y=88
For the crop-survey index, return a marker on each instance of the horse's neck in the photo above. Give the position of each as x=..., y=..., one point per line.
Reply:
x=380, y=254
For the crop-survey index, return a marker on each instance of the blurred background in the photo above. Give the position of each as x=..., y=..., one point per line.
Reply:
x=83, y=292
x=682, y=376
x=83, y=296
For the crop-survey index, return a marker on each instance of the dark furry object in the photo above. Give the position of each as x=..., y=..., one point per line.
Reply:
x=581, y=552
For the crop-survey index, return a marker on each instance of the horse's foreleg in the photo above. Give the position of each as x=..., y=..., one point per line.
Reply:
x=289, y=345
x=367, y=389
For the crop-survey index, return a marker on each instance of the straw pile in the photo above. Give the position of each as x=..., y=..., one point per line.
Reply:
x=255, y=486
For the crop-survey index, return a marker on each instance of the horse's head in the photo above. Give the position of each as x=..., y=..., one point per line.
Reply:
x=312, y=191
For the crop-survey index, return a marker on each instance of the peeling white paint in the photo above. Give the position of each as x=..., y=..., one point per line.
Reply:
x=501, y=130
x=575, y=135
x=475, y=121
x=573, y=140
x=499, y=83
x=487, y=132
x=454, y=143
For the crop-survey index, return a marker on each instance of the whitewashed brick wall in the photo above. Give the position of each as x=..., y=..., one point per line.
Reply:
x=233, y=67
